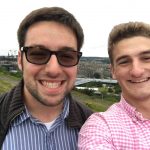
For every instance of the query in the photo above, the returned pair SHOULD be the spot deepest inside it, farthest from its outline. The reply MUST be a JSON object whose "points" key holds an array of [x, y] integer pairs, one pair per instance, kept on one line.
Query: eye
{"points": [[67, 55], [123, 62], [147, 58], [37, 51]]}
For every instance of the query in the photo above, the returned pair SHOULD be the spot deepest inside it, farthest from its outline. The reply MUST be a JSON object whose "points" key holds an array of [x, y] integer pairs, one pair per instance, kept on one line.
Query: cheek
{"points": [[72, 72], [121, 74], [30, 70]]}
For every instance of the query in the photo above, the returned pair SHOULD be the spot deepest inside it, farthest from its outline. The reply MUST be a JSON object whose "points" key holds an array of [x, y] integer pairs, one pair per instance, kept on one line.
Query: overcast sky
{"points": [[97, 17]]}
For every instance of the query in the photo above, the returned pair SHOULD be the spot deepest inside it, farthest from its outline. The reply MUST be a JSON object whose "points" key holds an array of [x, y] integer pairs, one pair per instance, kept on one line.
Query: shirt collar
{"points": [[26, 115], [65, 111], [21, 118], [131, 110]]}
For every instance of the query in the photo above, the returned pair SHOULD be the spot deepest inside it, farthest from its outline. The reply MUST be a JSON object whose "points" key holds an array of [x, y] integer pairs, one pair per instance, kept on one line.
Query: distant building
{"points": [[89, 67], [9, 63], [94, 67]]}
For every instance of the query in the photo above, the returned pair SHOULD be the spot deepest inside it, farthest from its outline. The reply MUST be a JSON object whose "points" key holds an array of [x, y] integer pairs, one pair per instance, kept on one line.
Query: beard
{"points": [[43, 100]]}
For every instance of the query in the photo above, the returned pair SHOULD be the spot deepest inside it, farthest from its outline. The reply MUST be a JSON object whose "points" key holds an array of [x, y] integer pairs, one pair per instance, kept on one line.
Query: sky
{"points": [[97, 18]]}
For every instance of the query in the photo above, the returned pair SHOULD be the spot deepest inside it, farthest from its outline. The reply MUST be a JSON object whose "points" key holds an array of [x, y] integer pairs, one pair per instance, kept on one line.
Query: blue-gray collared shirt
{"points": [[28, 133]]}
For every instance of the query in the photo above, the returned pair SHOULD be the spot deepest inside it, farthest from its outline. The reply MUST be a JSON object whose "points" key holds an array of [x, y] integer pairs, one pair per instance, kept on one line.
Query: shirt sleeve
{"points": [[95, 134]]}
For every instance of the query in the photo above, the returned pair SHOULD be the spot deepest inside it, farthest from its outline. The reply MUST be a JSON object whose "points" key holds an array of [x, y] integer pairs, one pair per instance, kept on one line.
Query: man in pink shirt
{"points": [[125, 125]]}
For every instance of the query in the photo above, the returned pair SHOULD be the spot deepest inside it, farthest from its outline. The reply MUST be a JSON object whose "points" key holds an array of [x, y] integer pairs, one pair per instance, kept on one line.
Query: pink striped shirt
{"points": [[121, 127]]}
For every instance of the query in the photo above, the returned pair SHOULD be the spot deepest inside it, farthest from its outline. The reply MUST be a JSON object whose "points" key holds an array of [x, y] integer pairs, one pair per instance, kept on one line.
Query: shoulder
{"points": [[99, 123], [113, 118], [11, 98], [4, 97], [114, 112]]}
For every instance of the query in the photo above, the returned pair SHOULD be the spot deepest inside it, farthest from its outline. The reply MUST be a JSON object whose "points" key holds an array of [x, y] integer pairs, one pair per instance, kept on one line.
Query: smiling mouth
{"points": [[139, 81], [51, 85]]}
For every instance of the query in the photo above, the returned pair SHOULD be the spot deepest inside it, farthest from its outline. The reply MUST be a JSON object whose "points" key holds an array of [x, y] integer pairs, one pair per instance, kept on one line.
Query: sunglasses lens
{"points": [[68, 58], [37, 55], [40, 56]]}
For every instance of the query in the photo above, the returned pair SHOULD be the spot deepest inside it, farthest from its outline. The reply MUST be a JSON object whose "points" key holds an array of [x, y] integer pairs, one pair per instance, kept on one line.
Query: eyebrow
{"points": [[60, 49], [145, 52], [67, 48], [126, 56]]}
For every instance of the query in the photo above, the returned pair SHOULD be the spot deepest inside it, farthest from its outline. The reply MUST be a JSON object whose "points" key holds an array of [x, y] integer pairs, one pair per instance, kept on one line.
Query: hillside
{"points": [[7, 81]]}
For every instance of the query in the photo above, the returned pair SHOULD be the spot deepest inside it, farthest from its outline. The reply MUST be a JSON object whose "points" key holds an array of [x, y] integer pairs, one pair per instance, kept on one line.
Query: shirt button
{"points": [[134, 119]]}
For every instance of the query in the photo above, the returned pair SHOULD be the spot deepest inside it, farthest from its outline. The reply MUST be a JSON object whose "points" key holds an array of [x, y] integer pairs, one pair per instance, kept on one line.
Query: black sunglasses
{"points": [[39, 55]]}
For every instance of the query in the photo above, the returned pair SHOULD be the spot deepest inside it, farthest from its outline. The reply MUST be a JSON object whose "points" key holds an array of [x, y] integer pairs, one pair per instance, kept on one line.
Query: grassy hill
{"points": [[8, 80], [96, 103]]}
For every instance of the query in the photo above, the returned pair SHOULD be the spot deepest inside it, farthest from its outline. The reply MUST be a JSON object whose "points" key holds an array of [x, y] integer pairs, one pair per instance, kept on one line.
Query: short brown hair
{"points": [[57, 14], [126, 30]]}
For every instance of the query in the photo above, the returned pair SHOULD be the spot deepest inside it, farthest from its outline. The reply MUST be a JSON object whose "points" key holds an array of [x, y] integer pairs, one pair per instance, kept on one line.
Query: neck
{"points": [[46, 114], [144, 108], [42, 112]]}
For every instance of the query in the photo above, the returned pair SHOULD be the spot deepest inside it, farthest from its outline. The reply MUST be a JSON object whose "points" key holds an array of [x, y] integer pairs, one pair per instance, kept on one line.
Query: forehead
{"points": [[131, 47], [50, 34]]}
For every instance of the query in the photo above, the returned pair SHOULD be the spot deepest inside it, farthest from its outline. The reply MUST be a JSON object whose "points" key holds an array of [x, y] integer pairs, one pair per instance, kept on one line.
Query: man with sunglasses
{"points": [[39, 113]]}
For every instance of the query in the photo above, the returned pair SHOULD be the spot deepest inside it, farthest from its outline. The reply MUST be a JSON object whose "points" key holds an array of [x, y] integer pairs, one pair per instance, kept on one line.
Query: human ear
{"points": [[112, 71], [19, 60]]}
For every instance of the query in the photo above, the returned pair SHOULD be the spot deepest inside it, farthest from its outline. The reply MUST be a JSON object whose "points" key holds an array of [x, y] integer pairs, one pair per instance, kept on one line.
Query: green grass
{"points": [[96, 103], [7, 81]]}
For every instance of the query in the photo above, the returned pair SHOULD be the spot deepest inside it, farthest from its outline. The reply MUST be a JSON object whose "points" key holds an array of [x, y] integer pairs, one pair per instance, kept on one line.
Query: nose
{"points": [[137, 69], [53, 67]]}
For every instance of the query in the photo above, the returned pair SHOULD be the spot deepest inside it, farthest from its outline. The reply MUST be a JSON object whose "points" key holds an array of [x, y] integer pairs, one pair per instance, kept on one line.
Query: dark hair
{"points": [[57, 14], [126, 30]]}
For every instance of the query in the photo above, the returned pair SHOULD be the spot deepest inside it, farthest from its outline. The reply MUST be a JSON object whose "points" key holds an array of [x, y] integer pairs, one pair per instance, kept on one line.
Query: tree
{"points": [[103, 90], [117, 89], [96, 75]]}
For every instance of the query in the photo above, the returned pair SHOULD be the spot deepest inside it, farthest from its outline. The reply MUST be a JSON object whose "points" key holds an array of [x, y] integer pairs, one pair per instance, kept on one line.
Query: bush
{"points": [[92, 84], [88, 92], [17, 74]]}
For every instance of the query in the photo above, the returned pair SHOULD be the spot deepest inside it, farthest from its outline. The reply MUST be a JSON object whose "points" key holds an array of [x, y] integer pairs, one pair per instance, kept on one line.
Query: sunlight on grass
{"points": [[94, 102]]}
